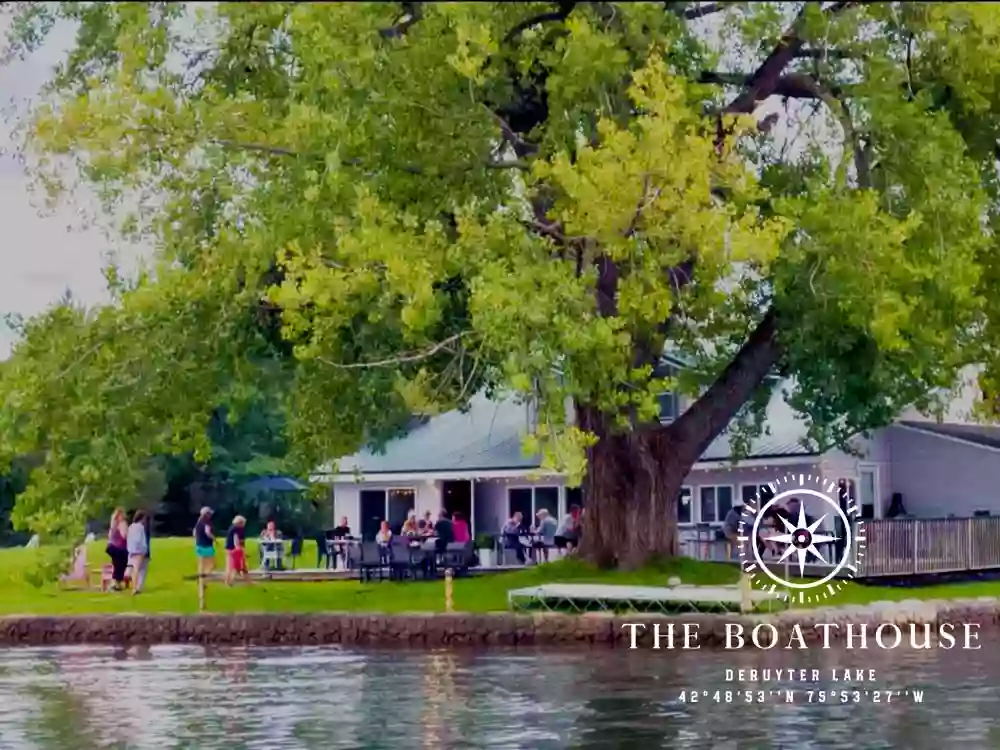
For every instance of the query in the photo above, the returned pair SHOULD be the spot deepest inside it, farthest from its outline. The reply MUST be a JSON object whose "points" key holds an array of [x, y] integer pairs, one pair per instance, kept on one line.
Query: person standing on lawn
{"points": [[117, 548], [204, 542], [138, 550], [236, 555]]}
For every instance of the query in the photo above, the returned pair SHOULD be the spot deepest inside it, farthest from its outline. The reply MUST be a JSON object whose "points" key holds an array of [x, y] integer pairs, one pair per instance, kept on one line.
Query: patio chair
{"points": [[401, 560], [272, 554], [458, 557], [353, 554], [107, 577], [513, 551], [323, 557], [346, 551], [296, 549], [78, 574], [369, 560]]}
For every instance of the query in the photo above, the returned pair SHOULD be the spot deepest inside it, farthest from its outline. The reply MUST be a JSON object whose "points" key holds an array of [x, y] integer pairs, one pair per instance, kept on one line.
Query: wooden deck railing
{"points": [[914, 546], [901, 546]]}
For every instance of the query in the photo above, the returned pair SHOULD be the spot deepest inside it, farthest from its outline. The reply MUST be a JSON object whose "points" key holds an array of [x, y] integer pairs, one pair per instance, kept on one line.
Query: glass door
{"points": [[868, 492]]}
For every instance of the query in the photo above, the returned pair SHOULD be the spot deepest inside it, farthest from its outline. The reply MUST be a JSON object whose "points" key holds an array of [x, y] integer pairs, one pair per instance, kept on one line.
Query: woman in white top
{"points": [[138, 546], [384, 535]]}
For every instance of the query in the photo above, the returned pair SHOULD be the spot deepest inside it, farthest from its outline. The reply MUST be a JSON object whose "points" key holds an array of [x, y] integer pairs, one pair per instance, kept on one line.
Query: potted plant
{"points": [[485, 546]]}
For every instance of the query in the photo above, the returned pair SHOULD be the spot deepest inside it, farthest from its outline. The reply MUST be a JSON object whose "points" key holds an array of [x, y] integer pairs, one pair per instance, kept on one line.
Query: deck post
{"points": [[916, 539], [449, 605], [746, 590]]}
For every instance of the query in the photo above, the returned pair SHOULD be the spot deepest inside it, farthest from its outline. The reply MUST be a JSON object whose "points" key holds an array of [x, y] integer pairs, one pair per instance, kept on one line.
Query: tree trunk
{"points": [[631, 496], [634, 478]]}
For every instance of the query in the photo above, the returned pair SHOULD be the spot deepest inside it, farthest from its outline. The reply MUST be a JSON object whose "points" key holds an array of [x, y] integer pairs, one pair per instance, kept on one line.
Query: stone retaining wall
{"points": [[435, 630]]}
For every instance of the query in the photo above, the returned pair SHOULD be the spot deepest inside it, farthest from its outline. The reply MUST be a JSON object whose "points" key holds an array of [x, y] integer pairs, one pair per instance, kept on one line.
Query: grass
{"points": [[170, 589]]}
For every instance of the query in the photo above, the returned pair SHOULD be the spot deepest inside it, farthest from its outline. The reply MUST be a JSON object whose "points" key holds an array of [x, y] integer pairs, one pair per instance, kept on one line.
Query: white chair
{"points": [[272, 553]]}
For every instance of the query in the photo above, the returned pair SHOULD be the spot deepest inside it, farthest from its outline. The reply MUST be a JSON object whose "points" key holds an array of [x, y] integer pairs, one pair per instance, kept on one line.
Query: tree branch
{"points": [[699, 10], [521, 147], [827, 54], [648, 198], [269, 150], [764, 80], [565, 8], [694, 430], [400, 359], [852, 143], [790, 85], [412, 12]]}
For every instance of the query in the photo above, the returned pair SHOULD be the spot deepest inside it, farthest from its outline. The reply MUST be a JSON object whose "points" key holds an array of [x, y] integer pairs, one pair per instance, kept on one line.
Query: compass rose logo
{"points": [[801, 528]]}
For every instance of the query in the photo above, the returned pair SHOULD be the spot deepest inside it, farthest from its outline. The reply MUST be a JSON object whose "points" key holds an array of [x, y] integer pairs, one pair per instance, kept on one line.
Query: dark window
{"points": [[519, 500], [574, 496], [707, 505], [401, 502], [750, 492], [715, 503], [372, 513], [548, 498], [668, 406], [684, 507], [724, 497], [668, 400]]}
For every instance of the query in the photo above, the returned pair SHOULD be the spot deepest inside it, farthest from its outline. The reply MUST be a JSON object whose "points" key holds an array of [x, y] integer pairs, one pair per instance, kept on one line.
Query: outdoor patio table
{"points": [[337, 550], [334, 549], [272, 551]]}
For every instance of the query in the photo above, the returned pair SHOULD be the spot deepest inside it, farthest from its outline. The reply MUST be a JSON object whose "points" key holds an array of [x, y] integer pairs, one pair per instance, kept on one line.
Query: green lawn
{"points": [[169, 590]]}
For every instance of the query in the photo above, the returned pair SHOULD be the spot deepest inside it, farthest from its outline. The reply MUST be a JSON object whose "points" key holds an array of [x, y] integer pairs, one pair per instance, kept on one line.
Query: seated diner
{"points": [[568, 533], [545, 531], [511, 533], [444, 531], [272, 547]]}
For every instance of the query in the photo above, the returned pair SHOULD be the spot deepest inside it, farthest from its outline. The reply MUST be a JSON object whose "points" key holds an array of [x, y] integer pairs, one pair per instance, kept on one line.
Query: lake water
{"points": [[190, 697]]}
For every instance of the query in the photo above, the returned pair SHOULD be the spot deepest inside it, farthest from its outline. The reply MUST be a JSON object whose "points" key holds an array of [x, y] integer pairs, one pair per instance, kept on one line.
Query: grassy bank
{"points": [[170, 590]]}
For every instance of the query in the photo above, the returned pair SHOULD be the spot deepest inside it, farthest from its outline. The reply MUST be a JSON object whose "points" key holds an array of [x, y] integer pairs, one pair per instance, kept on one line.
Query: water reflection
{"points": [[187, 697]]}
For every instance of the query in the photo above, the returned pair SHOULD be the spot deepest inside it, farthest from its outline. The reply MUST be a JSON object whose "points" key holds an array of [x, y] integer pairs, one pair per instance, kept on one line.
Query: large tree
{"points": [[380, 209]]}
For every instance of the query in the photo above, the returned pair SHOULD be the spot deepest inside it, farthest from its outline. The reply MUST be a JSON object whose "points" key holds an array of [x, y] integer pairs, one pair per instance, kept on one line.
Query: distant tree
{"points": [[380, 209], [12, 484]]}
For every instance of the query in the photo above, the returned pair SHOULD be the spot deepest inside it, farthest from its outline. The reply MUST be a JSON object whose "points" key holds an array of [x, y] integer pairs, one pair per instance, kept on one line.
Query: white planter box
{"points": [[485, 558]]}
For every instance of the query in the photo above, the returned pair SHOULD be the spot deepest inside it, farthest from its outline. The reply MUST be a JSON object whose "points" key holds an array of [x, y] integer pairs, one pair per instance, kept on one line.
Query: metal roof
{"points": [[979, 434], [489, 436], [274, 484]]}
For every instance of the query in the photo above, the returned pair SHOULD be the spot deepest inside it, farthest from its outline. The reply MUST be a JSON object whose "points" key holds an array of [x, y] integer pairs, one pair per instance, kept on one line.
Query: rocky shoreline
{"points": [[474, 630]]}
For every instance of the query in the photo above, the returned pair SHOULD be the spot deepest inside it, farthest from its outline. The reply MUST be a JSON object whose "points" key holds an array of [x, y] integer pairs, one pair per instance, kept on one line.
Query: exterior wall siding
{"points": [[736, 478], [872, 452], [490, 496], [939, 477], [921, 467]]}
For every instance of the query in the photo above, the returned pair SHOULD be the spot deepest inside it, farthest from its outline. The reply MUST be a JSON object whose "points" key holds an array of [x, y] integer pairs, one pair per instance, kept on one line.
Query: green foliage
{"points": [[361, 215], [50, 562], [12, 484]]}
